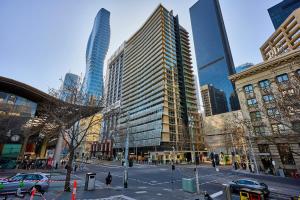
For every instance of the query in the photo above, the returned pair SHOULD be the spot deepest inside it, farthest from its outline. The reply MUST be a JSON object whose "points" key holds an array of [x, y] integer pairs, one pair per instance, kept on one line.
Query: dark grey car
{"points": [[24, 181], [239, 184]]}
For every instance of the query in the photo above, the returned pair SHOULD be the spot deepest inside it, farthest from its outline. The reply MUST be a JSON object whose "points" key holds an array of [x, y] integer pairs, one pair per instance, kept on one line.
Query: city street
{"points": [[155, 182]]}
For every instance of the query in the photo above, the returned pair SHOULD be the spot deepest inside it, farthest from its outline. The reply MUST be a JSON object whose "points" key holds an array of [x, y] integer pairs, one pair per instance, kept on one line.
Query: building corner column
{"points": [[58, 149]]}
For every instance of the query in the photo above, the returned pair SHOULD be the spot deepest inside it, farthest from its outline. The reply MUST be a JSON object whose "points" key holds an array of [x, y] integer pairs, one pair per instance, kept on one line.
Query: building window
{"points": [[263, 148], [259, 130], [248, 89], [255, 116], [285, 154], [268, 98], [282, 78], [252, 102], [279, 128], [296, 126], [273, 112], [264, 84]]}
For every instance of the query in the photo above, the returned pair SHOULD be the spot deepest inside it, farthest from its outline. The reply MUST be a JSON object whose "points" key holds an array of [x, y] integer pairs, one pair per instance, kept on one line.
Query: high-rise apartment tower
{"points": [[95, 54], [159, 108]]}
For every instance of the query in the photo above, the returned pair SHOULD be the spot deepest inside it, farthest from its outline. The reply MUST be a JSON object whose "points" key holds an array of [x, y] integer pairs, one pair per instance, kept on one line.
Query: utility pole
{"points": [[191, 124], [125, 181]]}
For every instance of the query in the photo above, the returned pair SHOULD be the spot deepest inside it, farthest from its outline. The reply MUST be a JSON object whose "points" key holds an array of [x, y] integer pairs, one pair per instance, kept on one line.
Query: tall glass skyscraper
{"points": [[281, 11], [95, 54], [213, 55]]}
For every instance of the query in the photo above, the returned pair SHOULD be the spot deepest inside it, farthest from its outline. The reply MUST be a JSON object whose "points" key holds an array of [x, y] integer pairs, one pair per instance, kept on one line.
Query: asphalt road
{"points": [[160, 182]]}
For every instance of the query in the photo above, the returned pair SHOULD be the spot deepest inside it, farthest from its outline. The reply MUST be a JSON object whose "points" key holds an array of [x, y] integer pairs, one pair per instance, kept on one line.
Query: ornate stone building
{"points": [[269, 97]]}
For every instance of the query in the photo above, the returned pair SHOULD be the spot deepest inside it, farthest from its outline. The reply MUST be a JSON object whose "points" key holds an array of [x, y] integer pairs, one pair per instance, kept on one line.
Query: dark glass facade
{"points": [[281, 11], [71, 82], [213, 55]]}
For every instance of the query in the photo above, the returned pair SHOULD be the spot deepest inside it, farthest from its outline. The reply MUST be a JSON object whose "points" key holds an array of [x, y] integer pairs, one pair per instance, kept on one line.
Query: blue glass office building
{"points": [[243, 67], [95, 54], [281, 11], [71, 82], [213, 55]]}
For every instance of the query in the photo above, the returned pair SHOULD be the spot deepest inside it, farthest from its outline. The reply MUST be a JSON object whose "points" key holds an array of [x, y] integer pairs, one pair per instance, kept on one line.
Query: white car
{"points": [[24, 181]]}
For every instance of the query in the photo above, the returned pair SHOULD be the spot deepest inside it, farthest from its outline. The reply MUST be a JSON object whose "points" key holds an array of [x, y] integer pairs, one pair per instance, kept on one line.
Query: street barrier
{"points": [[74, 190], [248, 194]]}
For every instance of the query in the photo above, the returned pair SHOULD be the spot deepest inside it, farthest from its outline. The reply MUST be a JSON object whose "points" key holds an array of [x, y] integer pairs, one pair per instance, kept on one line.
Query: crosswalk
{"points": [[117, 197]]}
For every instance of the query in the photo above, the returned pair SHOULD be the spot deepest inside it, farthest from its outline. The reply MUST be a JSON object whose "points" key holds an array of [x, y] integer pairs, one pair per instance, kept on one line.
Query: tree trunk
{"points": [[69, 170]]}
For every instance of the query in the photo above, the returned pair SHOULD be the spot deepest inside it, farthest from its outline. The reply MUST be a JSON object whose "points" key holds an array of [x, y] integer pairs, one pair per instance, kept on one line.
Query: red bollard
{"points": [[32, 193], [74, 190]]}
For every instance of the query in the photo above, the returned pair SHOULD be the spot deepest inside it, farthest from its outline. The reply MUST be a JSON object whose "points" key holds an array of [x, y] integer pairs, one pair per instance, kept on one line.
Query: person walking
{"points": [[108, 179]]}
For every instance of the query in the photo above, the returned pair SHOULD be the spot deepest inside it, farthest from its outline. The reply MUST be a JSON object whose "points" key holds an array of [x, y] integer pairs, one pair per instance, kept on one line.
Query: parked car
{"points": [[239, 184], [25, 181], [7, 164]]}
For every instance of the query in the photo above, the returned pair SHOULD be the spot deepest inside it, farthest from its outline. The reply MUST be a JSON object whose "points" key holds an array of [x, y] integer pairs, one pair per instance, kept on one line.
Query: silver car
{"points": [[24, 181]]}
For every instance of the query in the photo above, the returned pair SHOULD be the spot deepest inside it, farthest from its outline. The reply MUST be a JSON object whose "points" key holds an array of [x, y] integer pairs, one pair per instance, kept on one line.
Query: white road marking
{"points": [[141, 192], [142, 187], [167, 189], [159, 194], [214, 195], [208, 182], [118, 197], [163, 169]]}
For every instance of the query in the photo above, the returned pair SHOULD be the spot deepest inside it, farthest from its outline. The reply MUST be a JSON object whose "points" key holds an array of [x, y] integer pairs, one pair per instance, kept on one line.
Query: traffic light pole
{"points": [[191, 123], [125, 181]]}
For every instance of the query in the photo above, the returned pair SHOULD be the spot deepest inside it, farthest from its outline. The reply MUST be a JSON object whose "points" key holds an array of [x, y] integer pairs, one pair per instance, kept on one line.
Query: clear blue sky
{"points": [[41, 40]]}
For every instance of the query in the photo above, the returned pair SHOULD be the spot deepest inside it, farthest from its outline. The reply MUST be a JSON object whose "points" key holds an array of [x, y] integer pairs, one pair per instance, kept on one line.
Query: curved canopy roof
{"points": [[45, 121]]}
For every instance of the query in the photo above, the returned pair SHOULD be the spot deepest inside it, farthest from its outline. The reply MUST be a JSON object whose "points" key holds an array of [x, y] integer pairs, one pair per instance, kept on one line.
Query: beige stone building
{"points": [[92, 134], [284, 39], [265, 92], [225, 133]]}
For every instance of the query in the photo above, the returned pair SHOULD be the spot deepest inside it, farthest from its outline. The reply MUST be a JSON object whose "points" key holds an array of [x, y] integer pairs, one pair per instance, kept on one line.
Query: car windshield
{"points": [[33, 177], [246, 182], [16, 178]]}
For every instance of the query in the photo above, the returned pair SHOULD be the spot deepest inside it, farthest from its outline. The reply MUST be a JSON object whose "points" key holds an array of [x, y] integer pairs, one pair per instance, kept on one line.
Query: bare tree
{"points": [[284, 103], [234, 133], [77, 118], [281, 106]]}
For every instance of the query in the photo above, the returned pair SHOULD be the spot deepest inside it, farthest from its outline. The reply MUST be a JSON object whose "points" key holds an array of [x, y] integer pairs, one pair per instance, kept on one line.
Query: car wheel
{"points": [[267, 196]]}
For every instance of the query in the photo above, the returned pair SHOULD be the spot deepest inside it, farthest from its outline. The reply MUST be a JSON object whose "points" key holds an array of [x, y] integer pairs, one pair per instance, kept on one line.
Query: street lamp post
{"points": [[191, 124]]}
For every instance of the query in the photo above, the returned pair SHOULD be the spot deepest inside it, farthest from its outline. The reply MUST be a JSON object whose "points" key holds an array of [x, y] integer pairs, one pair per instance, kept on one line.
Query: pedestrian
{"points": [[75, 168], [67, 167], [108, 179]]}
